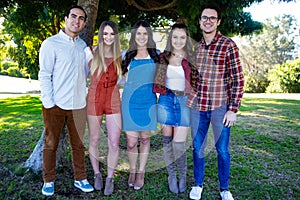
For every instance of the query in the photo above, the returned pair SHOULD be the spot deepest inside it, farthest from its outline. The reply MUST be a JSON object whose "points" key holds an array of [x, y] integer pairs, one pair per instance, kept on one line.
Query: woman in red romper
{"points": [[104, 99]]}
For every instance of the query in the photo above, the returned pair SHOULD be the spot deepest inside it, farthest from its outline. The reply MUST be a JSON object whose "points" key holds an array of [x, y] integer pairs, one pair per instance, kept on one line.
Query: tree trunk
{"points": [[91, 8], [35, 160]]}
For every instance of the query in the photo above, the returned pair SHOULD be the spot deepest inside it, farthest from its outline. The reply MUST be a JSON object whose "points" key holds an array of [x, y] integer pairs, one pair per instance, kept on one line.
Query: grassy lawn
{"points": [[265, 152]]}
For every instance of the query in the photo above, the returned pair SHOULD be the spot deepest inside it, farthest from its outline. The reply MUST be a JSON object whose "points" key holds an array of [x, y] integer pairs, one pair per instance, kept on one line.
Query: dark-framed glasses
{"points": [[205, 18]]}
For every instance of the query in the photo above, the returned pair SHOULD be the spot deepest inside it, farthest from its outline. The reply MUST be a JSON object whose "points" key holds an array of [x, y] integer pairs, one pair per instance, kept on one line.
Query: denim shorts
{"points": [[172, 110]]}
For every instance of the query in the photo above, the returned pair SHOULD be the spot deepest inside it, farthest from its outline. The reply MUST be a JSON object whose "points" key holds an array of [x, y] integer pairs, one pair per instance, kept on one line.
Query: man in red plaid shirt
{"points": [[218, 89]]}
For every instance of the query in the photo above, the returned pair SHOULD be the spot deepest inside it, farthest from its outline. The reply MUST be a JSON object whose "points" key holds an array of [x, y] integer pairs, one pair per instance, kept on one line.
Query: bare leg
{"points": [[180, 133], [144, 150], [167, 130], [113, 124], [94, 126], [132, 151], [144, 153]]}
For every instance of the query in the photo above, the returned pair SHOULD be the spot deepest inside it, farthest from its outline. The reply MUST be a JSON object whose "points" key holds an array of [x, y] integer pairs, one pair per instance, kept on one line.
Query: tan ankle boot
{"points": [[131, 178], [109, 186], [139, 180], [98, 181]]}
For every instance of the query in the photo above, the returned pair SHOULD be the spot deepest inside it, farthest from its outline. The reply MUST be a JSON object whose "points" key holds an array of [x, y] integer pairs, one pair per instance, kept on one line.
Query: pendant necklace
{"points": [[177, 55]]}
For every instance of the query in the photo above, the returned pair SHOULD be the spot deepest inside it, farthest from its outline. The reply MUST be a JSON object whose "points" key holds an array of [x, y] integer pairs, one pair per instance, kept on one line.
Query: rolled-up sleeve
{"points": [[88, 59]]}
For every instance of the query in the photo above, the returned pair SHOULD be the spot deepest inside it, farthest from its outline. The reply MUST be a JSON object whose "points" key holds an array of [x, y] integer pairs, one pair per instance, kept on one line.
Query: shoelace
{"points": [[226, 194], [196, 190], [47, 185], [85, 182]]}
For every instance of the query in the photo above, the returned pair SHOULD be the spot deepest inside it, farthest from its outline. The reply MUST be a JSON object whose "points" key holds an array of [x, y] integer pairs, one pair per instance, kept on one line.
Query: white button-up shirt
{"points": [[62, 72]]}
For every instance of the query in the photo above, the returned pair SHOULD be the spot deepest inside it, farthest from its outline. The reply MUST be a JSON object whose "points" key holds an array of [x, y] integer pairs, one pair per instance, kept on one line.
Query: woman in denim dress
{"points": [[138, 99]]}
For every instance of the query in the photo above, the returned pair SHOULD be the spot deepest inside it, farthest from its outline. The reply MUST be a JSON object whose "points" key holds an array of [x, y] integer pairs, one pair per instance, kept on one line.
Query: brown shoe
{"points": [[139, 181], [98, 181], [131, 179], [109, 186]]}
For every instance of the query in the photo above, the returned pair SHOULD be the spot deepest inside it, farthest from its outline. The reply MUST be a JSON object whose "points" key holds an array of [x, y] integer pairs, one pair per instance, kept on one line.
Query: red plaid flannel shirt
{"points": [[220, 80]]}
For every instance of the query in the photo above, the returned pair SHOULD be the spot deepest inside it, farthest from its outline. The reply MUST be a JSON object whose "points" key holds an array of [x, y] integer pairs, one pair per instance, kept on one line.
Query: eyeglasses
{"points": [[211, 19]]}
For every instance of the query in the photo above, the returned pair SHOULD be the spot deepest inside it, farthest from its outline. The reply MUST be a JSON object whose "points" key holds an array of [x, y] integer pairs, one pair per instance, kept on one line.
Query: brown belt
{"points": [[109, 84], [176, 92]]}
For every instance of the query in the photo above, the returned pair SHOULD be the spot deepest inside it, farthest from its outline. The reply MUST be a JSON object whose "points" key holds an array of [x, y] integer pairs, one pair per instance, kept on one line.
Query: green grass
{"points": [[265, 152], [20, 125]]}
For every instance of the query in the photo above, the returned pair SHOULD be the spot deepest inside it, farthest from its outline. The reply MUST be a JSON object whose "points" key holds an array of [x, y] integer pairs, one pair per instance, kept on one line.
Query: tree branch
{"points": [[150, 7]]}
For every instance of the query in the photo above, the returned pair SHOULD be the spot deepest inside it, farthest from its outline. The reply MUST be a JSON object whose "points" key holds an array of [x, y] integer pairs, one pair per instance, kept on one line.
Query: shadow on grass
{"points": [[264, 152]]}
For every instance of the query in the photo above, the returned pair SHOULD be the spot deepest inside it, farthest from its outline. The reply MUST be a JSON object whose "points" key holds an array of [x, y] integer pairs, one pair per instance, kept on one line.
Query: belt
{"points": [[176, 92], [109, 84]]}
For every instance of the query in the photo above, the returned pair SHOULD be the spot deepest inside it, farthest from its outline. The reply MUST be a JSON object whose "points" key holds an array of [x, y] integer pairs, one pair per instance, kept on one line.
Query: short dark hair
{"points": [[212, 6], [75, 6]]}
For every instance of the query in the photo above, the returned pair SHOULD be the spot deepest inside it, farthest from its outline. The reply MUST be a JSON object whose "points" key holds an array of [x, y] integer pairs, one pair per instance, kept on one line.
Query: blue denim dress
{"points": [[138, 101]]}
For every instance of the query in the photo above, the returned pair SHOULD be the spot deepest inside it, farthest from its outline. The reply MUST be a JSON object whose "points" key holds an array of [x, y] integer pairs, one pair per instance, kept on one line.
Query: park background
{"points": [[265, 141]]}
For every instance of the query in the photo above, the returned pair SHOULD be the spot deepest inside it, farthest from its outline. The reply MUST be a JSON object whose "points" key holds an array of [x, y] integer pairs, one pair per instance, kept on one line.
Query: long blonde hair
{"points": [[98, 61]]}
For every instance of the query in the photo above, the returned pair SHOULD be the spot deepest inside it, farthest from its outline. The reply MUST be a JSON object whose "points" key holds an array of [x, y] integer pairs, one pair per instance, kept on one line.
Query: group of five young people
{"points": [[180, 77]]}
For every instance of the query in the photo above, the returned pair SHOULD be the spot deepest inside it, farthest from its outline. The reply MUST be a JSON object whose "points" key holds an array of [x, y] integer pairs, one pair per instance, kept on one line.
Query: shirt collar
{"points": [[215, 39], [67, 37]]}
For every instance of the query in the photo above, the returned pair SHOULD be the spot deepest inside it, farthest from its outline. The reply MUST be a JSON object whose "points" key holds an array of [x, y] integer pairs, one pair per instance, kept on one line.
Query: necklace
{"points": [[177, 55]]}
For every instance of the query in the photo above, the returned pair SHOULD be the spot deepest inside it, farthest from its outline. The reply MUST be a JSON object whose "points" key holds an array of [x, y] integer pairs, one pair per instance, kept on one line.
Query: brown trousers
{"points": [[54, 120]]}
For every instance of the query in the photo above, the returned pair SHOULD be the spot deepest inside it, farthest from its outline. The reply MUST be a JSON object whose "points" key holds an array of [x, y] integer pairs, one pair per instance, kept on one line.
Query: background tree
{"points": [[285, 78], [30, 22], [263, 50], [91, 8], [4, 39]]}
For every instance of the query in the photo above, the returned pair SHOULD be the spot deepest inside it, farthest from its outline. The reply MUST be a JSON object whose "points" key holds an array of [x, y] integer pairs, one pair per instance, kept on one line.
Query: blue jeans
{"points": [[200, 122]]}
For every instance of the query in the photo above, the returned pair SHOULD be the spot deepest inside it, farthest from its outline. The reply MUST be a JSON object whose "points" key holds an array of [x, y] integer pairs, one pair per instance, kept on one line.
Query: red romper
{"points": [[103, 94]]}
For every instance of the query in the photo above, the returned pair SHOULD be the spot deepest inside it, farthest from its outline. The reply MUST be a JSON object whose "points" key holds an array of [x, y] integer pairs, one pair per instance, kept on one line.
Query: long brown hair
{"points": [[180, 24], [132, 51]]}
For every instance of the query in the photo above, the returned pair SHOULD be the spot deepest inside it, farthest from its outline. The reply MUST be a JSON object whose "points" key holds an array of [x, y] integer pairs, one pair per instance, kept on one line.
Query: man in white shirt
{"points": [[62, 79]]}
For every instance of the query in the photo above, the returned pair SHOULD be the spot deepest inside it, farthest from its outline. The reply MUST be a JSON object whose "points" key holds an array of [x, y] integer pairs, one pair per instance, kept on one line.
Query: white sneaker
{"points": [[195, 193], [226, 195]]}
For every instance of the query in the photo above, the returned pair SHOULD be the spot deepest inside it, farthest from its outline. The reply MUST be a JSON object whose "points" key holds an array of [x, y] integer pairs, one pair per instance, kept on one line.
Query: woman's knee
{"points": [[131, 144], [113, 145], [145, 140], [94, 141]]}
